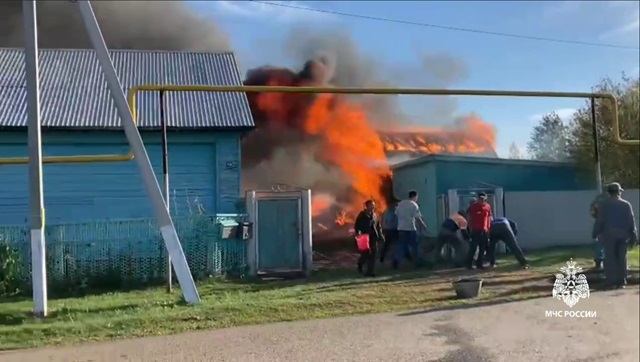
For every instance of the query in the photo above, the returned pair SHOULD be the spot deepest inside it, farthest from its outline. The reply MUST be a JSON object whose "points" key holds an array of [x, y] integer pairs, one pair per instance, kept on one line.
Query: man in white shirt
{"points": [[408, 212]]}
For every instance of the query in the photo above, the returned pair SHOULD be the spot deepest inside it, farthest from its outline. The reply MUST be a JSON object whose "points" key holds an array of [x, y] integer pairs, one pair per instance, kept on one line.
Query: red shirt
{"points": [[479, 217]]}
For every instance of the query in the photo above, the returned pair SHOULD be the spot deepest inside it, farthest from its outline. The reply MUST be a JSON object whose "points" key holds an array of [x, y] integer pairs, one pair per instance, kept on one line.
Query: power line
{"points": [[446, 27]]}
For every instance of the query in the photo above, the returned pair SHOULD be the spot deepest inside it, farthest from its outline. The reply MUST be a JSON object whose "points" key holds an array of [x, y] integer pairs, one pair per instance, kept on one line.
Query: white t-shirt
{"points": [[407, 211]]}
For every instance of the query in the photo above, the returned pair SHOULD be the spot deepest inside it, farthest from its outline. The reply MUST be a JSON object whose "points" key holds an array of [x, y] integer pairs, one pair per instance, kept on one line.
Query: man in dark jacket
{"points": [[616, 229], [505, 230], [390, 230], [368, 223], [598, 247]]}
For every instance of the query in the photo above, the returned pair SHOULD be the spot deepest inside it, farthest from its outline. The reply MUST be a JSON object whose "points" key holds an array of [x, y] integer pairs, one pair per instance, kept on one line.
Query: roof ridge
{"points": [[74, 94], [127, 50]]}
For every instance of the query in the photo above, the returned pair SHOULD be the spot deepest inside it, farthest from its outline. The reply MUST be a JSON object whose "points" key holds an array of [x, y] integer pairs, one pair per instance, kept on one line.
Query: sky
{"points": [[490, 62]]}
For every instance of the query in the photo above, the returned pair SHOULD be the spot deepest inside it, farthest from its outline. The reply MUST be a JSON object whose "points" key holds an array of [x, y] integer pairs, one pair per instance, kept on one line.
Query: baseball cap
{"points": [[482, 195], [614, 187]]}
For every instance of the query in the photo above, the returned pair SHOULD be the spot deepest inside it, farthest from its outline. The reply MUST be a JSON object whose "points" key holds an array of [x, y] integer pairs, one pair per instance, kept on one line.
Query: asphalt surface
{"points": [[507, 332]]}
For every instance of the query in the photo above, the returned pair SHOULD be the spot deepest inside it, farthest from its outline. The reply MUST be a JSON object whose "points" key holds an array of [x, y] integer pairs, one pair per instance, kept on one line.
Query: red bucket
{"points": [[363, 242]]}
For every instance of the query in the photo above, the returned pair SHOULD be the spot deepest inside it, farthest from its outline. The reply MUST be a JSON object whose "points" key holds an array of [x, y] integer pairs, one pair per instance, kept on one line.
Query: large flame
{"points": [[350, 143], [471, 136], [335, 132]]}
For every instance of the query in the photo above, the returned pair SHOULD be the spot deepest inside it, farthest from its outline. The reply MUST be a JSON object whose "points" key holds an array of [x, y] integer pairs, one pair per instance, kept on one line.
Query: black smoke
{"points": [[141, 25]]}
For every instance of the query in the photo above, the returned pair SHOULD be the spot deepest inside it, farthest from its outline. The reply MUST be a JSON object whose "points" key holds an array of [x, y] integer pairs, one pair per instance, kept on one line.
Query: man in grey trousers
{"points": [[615, 227]]}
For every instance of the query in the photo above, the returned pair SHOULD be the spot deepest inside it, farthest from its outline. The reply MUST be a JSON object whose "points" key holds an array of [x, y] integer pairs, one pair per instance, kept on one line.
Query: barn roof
{"points": [[74, 94]]}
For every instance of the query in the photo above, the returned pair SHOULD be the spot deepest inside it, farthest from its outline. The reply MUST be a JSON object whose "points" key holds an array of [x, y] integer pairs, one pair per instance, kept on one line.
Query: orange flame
{"points": [[351, 144], [472, 136], [320, 204], [346, 139]]}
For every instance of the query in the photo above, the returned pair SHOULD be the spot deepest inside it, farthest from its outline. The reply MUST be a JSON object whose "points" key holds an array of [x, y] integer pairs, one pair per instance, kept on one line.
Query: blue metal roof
{"points": [[74, 93], [475, 159]]}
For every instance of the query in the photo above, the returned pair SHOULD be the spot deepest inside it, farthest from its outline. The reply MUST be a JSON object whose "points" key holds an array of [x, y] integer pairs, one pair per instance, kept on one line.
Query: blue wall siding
{"points": [[421, 178], [204, 173], [511, 177], [228, 170]]}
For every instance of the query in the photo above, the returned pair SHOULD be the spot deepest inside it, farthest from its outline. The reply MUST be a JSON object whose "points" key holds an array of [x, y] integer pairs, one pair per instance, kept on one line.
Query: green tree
{"points": [[618, 163], [549, 139]]}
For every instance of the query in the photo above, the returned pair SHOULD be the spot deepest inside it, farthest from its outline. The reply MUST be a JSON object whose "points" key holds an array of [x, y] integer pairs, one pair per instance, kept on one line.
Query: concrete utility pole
{"points": [[36, 202], [149, 179]]}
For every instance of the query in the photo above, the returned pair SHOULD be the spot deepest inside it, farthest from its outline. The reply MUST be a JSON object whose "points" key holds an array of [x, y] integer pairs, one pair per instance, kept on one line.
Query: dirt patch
{"points": [[335, 260]]}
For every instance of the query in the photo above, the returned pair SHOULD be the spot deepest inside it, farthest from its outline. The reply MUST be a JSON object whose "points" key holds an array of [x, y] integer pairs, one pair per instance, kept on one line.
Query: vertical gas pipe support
{"points": [[149, 179], [596, 145], [36, 202], [165, 174]]}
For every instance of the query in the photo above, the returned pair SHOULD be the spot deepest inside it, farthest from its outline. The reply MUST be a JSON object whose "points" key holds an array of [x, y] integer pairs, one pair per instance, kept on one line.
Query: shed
{"points": [[432, 176], [79, 118]]}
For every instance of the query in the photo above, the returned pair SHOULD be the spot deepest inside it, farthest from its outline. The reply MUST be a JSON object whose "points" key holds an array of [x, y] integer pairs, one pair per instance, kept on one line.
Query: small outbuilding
{"points": [[447, 183]]}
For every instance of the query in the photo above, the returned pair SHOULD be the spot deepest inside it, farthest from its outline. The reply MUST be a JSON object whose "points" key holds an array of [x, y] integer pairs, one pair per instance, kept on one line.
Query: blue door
{"points": [[279, 241]]}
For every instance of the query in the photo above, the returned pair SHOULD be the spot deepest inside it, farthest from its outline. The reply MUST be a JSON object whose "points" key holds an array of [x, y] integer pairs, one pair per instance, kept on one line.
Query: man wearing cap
{"points": [[615, 227], [479, 216]]}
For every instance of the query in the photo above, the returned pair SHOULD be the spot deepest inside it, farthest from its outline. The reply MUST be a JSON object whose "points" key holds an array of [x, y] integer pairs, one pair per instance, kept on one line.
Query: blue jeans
{"points": [[407, 242], [598, 250]]}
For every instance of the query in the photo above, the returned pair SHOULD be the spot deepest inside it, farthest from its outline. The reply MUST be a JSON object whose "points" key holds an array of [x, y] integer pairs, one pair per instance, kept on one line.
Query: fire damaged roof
{"points": [[74, 93], [436, 142]]}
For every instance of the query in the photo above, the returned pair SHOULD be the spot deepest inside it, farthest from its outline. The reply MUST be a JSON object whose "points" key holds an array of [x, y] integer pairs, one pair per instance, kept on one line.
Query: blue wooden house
{"points": [[79, 118]]}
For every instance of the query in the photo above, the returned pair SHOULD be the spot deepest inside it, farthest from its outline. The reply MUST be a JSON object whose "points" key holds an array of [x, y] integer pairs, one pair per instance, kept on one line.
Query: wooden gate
{"points": [[281, 238]]}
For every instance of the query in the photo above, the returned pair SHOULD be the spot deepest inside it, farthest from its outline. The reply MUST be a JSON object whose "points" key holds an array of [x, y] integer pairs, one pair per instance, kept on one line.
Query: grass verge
{"points": [[329, 293]]}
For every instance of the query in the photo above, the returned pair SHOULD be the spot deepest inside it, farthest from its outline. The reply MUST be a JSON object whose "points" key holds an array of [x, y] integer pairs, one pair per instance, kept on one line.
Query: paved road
{"points": [[508, 332]]}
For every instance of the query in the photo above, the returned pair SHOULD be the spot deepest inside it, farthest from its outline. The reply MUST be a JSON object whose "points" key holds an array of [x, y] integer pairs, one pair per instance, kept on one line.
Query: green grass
{"points": [[227, 303]]}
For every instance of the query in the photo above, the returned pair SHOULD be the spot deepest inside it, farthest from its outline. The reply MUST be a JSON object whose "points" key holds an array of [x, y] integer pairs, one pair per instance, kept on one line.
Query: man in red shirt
{"points": [[479, 216]]}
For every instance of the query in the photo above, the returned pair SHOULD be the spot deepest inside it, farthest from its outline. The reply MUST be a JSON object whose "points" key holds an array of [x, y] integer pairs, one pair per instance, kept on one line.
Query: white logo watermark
{"points": [[570, 287]]}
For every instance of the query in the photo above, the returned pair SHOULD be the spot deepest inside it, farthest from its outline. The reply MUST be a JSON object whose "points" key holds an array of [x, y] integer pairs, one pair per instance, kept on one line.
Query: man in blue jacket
{"points": [[505, 230]]}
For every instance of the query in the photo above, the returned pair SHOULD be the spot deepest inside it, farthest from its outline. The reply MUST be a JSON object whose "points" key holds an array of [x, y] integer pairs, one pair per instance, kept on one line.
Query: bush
{"points": [[9, 270]]}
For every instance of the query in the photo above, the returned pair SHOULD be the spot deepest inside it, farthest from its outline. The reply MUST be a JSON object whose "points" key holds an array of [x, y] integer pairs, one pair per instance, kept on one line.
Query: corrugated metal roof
{"points": [[74, 93], [475, 159]]}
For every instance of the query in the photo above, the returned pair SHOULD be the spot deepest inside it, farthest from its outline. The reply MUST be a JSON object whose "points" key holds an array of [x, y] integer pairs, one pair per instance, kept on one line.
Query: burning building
{"points": [[338, 146], [328, 143], [410, 144]]}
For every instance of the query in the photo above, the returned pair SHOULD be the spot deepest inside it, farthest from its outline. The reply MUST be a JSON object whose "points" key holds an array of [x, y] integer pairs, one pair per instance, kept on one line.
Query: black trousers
{"points": [[503, 232], [390, 239], [457, 243], [368, 258], [480, 242]]}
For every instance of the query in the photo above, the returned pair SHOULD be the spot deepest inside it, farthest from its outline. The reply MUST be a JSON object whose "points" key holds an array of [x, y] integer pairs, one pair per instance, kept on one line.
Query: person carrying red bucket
{"points": [[368, 234]]}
